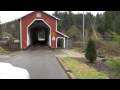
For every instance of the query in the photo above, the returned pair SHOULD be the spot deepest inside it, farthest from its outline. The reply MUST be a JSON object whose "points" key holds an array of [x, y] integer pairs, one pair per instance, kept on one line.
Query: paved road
{"points": [[40, 63]]}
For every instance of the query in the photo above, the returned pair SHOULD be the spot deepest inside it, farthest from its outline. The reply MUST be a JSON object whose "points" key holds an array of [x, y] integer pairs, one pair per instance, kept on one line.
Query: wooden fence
{"points": [[10, 45]]}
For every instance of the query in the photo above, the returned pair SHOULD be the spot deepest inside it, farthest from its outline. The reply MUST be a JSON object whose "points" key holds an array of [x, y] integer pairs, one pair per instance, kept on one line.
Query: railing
{"points": [[10, 45]]}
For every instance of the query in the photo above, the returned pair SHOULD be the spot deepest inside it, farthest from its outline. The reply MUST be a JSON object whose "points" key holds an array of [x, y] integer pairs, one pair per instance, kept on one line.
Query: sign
{"points": [[53, 38], [38, 15], [16, 41], [53, 34]]}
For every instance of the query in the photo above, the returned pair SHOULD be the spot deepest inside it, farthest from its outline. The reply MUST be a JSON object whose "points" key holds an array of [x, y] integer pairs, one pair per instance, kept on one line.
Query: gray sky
{"points": [[6, 16]]}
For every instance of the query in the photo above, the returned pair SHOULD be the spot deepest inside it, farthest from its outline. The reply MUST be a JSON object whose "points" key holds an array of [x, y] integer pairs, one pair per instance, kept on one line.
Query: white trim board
{"points": [[42, 12], [58, 31], [28, 38], [21, 34], [63, 34]]}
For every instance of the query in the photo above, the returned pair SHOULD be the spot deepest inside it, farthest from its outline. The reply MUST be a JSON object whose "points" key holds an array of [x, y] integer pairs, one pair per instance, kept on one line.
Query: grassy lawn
{"points": [[81, 70], [77, 49], [3, 51], [114, 64]]}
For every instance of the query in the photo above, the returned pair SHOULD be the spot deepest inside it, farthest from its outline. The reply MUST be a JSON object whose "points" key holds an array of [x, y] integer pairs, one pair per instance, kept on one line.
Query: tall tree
{"points": [[56, 13], [104, 23], [108, 20], [100, 24]]}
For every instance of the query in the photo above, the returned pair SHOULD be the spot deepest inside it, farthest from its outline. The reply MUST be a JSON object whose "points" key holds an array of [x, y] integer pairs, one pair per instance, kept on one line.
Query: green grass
{"points": [[114, 64], [81, 70], [77, 49], [3, 51]]}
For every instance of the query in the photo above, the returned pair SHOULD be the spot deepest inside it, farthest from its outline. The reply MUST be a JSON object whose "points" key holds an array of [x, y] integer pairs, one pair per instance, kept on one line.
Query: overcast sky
{"points": [[6, 16]]}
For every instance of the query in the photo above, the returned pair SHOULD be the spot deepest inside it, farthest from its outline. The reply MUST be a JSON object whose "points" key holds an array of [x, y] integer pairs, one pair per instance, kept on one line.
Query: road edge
{"points": [[67, 71]]}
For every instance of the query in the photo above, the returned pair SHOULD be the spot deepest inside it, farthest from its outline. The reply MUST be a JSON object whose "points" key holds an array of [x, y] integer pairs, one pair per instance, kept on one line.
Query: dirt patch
{"points": [[99, 66]]}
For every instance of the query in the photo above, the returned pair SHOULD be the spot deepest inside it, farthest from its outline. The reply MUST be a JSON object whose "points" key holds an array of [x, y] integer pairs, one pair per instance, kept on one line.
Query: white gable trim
{"points": [[58, 31], [21, 34], [43, 12], [63, 34], [52, 15], [28, 38]]}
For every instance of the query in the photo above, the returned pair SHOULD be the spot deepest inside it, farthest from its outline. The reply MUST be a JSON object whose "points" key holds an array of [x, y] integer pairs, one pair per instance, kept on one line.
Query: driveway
{"points": [[40, 63], [70, 53]]}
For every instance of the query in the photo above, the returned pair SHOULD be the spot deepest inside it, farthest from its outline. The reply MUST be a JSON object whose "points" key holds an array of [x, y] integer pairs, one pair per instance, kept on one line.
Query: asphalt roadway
{"points": [[40, 63]]}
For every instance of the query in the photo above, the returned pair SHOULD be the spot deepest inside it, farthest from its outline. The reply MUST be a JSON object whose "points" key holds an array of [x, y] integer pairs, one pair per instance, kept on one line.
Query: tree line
{"points": [[103, 24], [72, 24]]}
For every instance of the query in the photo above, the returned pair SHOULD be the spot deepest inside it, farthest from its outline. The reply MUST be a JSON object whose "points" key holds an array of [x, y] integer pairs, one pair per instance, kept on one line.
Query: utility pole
{"points": [[83, 29]]}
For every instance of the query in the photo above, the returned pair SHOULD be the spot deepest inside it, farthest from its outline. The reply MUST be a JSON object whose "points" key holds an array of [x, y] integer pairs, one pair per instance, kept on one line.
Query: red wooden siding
{"points": [[26, 20]]}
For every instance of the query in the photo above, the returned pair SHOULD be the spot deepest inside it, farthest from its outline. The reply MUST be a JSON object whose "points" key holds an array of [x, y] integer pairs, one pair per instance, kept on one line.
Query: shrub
{"points": [[107, 48], [74, 33], [2, 50], [91, 53]]}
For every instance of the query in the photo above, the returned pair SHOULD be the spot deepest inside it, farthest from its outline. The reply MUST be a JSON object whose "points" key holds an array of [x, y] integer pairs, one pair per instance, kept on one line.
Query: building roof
{"points": [[42, 12], [30, 13], [63, 34]]}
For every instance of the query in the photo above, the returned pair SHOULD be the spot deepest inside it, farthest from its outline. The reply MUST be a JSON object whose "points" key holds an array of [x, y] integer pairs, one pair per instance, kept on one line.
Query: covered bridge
{"points": [[39, 28]]}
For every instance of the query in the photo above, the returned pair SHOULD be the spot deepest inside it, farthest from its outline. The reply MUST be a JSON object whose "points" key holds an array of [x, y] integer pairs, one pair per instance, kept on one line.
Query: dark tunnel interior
{"points": [[39, 34]]}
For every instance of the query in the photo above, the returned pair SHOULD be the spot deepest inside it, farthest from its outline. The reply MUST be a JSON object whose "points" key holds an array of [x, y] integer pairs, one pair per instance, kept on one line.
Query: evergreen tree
{"points": [[100, 24], [104, 23], [56, 13], [91, 53]]}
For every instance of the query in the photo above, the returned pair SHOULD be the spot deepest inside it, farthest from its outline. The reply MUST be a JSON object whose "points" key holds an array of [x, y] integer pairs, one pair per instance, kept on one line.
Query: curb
{"points": [[67, 71]]}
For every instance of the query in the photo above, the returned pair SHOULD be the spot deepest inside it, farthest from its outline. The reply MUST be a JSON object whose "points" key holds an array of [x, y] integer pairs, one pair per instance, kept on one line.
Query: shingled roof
{"points": [[44, 13]]}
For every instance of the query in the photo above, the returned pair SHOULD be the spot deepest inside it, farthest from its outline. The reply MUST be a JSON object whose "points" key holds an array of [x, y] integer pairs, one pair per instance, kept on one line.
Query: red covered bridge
{"points": [[39, 27]]}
